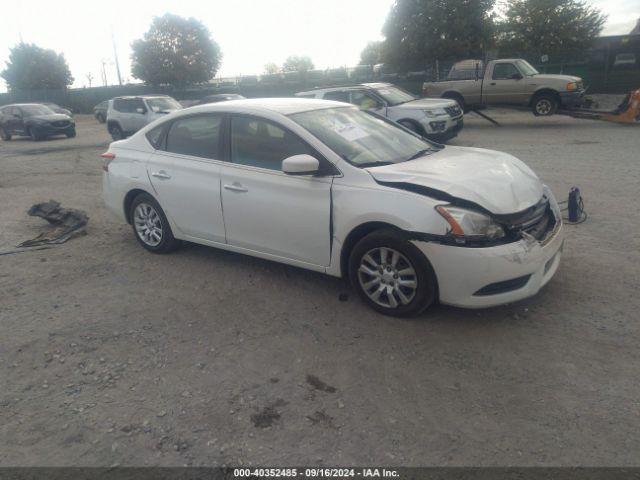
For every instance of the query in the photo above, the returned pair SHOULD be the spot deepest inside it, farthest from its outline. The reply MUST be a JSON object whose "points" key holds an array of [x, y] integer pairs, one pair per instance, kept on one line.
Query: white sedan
{"points": [[324, 186]]}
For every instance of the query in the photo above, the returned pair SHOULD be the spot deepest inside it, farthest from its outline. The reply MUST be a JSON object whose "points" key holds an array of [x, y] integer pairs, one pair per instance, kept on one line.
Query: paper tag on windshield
{"points": [[349, 131]]}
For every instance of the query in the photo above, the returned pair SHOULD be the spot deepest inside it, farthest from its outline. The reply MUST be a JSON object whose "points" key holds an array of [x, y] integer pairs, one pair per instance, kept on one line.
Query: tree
{"points": [[271, 68], [371, 54], [297, 64], [34, 68], [549, 26], [420, 31], [175, 51]]}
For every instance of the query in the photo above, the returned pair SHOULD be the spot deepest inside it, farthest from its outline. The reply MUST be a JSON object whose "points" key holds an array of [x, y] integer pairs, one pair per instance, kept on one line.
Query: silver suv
{"points": [[436, 119], [127, 115]]}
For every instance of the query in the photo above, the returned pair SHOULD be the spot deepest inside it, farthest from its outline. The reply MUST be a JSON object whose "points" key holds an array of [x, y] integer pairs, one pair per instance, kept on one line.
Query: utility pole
{"points": [[89, 78], [104, 72], [115, 57]]}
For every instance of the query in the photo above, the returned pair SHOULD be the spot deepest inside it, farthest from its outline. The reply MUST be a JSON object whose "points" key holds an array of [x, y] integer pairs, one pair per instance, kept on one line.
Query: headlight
{"points": [[571, 86], [467, 224], [434, 112]]}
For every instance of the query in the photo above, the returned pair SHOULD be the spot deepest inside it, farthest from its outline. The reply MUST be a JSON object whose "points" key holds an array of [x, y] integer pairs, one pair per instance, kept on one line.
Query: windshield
{"points": [[526, 68], [163, 104], [394, 95], [31, 110], [362, 139]]}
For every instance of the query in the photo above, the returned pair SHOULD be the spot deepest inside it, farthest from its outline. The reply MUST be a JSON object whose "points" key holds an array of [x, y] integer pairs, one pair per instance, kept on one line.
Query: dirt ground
{"points": [[110, 355]]}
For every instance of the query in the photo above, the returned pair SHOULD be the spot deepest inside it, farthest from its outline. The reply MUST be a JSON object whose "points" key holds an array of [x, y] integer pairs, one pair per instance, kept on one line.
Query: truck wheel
{"points": [[456, 98], [101, 118], [544, 105], [116, 132]]}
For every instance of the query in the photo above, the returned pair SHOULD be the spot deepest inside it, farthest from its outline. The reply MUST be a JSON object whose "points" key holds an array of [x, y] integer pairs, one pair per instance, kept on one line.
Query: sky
{"points": [[250, 33]]}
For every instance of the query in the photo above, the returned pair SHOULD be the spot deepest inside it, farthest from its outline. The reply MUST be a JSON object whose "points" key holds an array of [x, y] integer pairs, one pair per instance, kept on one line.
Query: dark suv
{"points": [[34, 120]]}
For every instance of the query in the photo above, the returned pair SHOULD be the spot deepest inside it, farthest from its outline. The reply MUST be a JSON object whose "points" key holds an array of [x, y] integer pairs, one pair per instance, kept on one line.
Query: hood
{"points": [[427, 103], [52, 117], [552, 77], [496, 181]]}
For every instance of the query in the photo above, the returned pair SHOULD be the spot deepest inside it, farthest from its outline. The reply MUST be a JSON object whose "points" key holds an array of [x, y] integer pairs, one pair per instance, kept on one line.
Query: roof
{"points": [[347, 86], [284, 106], [127, 97]]}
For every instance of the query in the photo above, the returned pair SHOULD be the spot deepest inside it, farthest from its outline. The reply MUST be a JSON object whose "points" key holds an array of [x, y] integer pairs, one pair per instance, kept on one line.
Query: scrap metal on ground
{"points": [[66, 223]]}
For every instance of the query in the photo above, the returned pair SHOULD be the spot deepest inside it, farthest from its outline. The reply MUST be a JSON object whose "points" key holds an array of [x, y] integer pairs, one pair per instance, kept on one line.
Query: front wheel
{"points": [[70, 134], [544, 105], [150, 225], [415, 128], [392, 275], [4, 135]]}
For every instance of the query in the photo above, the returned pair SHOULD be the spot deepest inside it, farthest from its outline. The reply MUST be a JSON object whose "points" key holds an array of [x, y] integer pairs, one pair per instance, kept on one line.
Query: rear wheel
{"points": [[4, 135], [150, 225], [101, 118], [392, 275], [544, 105], [33, 133], [116, 132], [71, 133]]}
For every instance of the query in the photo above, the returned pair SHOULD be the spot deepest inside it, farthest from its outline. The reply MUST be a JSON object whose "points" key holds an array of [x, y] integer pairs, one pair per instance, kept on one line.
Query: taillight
{"points": [[108, 157]]}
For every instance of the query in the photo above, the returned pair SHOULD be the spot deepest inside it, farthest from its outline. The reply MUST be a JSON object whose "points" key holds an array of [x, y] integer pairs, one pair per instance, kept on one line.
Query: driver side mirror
{"points": [[141, 110], [516, 76], [300, 165]]}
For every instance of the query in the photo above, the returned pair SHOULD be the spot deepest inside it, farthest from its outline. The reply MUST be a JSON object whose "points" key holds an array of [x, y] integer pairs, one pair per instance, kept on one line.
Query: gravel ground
{"points": [[112, 355]]}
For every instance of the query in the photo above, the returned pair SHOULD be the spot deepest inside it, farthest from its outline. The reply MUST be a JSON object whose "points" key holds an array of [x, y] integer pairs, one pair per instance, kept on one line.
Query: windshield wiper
{"points": [[373, 164], [421, 153]]}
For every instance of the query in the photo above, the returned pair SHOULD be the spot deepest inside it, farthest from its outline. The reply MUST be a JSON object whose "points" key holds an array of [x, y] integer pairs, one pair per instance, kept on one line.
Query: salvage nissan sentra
{"points": [[324, 186]]}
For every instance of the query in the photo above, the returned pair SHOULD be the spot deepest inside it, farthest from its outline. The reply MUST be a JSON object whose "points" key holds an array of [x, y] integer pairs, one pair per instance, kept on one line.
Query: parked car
{"points": [[507, 82], [58, 109], [100, 111], [438, 120], [219, 97], [34, 120], [326, 186], [127, 115]]}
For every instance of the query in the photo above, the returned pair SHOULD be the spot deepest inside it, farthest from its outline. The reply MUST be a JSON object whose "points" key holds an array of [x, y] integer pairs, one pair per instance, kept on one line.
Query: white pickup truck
{"points": [[507, 82]]}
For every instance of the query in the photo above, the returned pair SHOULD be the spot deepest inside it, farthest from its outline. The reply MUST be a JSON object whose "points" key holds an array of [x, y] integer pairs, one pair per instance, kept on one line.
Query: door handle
{"points": [[161, 175], [493, 83], [236, 187]]}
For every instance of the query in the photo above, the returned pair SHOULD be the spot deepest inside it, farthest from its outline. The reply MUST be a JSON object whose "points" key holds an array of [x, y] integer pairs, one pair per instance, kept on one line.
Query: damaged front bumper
{"points": [[490, 276]]}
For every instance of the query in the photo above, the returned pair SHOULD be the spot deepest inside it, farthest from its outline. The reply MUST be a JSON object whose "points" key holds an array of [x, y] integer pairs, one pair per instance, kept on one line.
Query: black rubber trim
{"points": [[503, 287]]}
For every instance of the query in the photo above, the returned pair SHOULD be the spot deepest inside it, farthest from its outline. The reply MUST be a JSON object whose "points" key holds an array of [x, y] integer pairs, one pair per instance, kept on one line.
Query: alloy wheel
{"points": [[387, 277], [148, 224], [543, 107]]}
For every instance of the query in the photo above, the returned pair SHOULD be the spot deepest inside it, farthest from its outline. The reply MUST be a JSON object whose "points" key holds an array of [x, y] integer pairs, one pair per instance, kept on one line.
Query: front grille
{"points": [[536, 222], [453, 111], [60, 123]]}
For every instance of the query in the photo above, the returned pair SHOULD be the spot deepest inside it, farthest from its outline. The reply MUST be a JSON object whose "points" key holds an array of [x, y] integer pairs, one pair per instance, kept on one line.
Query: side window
{"points": [[337, 96], [119, 105], [307, 95], [262, 144], [196, 136], [363, 100], [155, 136], [504, 71]]}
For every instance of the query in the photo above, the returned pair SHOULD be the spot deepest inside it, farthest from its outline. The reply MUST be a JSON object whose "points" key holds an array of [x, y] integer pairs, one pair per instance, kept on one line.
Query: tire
{"points": [[116, 132], [413, 127], [71, 133], [33, 133], [459, 100], [4, 135], [101, 118], [544, 105], [150, 225], [407, 278]]}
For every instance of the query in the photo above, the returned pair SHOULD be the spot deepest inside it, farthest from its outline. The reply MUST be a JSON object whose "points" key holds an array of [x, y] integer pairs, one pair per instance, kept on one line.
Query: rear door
{"points": [[15, 120], [266, 210], [504, 86], [185, 173]]}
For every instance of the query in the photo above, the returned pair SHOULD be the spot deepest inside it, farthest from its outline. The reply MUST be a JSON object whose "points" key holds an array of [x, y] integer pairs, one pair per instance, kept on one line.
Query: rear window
{"points": [[155, 136], [197, 136]]}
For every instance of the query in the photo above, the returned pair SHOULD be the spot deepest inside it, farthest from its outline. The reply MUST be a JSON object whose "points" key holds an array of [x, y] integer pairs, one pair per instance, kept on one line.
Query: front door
{"points": [[185, 173], [266, 210], [506, 86]]}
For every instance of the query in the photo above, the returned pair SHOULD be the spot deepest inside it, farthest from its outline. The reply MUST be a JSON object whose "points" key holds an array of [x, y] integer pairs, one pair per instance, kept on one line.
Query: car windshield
{"points": [[361, 138], [163, 104], [526, 68], [394, 95], [32, 110]]}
